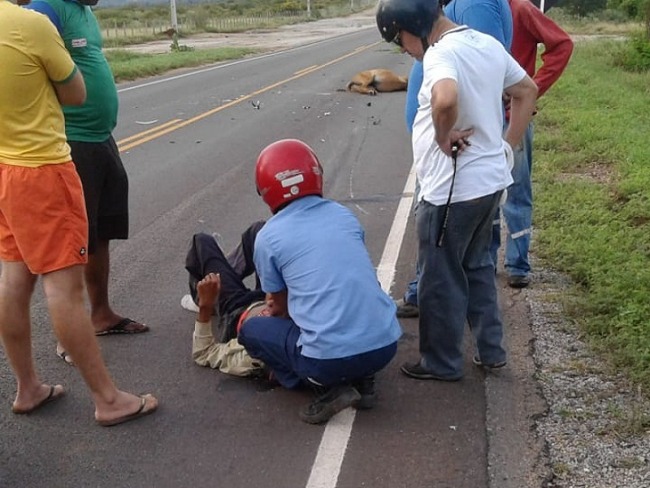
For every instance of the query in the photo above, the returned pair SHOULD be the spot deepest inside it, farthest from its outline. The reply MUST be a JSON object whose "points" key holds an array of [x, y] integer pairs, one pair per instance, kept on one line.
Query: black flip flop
{"points": [[122, 327]]}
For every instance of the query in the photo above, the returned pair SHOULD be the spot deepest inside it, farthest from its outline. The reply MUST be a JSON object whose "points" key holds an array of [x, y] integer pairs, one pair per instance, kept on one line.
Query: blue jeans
{"points": [[411, 294], [274, 341], [457, 284], [517, 211]]}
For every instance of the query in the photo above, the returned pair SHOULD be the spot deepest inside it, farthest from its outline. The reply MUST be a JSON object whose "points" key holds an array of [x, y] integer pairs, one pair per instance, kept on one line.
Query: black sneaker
{"points": [[366, 388], [406, 310], [415, 370], [329, 404], [518, 281], [499, 364]]}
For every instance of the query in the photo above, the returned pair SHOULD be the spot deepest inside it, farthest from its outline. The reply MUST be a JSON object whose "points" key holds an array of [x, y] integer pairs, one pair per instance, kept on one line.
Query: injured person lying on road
{"points": [[216, 283]]}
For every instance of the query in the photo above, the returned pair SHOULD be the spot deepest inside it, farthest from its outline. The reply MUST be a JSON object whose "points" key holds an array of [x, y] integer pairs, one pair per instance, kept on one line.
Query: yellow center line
{"points": [[305, 69], [149, 131], [154, 133]]}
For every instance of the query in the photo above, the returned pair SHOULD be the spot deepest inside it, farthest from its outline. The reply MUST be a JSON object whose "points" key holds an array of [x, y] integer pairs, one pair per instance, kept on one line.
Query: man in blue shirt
{"points": [[332, 326]]}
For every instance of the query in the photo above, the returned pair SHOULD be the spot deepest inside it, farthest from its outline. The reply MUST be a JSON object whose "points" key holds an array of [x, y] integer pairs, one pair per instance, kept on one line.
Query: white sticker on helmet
{"points": [[293, 180]]}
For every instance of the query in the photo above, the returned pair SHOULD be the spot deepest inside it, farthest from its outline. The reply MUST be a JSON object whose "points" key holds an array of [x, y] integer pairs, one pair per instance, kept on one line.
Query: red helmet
{"points": [[286, 170]]}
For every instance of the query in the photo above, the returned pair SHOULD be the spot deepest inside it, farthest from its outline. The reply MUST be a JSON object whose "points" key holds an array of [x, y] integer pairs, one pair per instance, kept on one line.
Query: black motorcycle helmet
{"points": [[416, 17]]}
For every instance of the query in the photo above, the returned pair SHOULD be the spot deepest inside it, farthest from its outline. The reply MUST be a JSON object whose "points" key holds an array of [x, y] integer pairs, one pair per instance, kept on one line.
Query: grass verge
{"points": [[127, 65], [592, 204]]}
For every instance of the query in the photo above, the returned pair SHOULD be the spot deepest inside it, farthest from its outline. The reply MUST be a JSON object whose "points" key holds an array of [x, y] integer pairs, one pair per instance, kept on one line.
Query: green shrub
{"points": [[636, 56], [633, 8], [290, 6], [583, 7]]}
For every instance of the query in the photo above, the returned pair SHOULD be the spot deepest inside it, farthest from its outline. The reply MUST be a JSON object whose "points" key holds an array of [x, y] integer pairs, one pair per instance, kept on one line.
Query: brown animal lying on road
{"points": [[376, 80]]}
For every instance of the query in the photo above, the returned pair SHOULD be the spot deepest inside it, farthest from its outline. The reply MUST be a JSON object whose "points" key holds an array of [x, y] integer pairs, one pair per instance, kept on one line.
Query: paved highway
{"points": [[189, 141]]}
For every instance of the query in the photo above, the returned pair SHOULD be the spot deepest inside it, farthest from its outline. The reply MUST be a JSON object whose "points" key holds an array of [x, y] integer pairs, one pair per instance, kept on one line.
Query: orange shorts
{"points": [[42, 217]]}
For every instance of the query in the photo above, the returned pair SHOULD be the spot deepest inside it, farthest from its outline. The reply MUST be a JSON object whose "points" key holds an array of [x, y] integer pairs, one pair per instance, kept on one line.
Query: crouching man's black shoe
{"points": [[366, 388], [329, 404]]}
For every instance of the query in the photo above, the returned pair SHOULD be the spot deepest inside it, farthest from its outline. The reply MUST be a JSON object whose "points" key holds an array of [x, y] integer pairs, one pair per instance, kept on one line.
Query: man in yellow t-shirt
{"points": [[43, 225]]}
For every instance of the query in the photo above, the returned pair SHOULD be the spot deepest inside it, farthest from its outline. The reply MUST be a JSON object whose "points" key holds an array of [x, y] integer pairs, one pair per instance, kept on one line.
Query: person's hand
{"points": [[207, 291], [458, 137], [510, 155], [506, 101], [276, 303]]}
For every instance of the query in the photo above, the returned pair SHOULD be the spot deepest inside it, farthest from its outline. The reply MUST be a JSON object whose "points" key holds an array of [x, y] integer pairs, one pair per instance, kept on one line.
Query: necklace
{"points": [[452, 31]]}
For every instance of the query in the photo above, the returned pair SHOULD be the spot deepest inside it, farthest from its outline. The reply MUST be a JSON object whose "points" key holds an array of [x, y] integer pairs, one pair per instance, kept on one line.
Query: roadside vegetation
{"points": [[592, 199], [592, 179], [591, 175], [129, 65]]}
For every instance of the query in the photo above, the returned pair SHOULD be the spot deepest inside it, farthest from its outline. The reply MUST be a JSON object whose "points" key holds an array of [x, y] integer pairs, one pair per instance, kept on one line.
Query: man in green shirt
{"points": [[95, 154]]}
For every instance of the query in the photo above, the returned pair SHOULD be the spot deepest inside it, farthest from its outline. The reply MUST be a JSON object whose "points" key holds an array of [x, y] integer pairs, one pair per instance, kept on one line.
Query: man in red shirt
{"points": [[530, 28]]}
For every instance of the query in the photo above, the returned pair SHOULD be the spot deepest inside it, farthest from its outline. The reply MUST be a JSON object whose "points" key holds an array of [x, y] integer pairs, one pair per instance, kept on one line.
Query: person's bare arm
{"points": [[71, 92], [277, 304], [229, 357], [207, 291], [444, 109], [522, 107]]}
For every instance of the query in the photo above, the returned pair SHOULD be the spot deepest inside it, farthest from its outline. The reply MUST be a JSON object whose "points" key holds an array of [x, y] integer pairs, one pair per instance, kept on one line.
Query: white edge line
{"points": [[331, 451], [388, 262], [327, 465]]}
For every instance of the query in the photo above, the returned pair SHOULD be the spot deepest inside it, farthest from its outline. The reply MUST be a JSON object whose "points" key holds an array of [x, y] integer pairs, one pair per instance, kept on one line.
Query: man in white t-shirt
{"points": [[461, 164]]}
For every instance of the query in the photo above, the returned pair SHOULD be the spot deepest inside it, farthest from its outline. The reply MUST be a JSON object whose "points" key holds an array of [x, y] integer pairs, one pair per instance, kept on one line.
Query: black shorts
{"points": [[106, 190]]}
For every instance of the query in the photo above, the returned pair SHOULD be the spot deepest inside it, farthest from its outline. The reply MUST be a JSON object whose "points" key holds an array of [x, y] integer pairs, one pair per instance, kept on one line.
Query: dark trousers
{"points": [[274, 341], [457, 285], [205, 256]]}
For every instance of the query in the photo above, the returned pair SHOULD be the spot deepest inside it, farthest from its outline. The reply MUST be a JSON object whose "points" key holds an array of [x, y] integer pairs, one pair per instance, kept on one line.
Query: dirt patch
{"points": [[595, 173], [284, 37]]}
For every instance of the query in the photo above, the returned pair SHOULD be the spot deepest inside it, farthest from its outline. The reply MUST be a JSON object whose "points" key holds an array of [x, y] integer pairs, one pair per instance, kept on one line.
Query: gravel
{"points": [[597, 428]]}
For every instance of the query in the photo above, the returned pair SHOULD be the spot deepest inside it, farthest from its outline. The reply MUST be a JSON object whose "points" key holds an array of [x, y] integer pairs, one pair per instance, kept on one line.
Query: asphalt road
{"points": [[189, 142]]}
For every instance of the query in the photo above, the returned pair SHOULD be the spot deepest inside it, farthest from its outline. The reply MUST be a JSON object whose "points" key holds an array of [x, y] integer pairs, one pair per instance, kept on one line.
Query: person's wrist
{"points": [[205, 313]]}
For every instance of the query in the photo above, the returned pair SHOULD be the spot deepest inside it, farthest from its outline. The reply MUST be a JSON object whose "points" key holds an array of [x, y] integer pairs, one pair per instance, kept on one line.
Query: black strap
{"points": [[445, 218]]}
